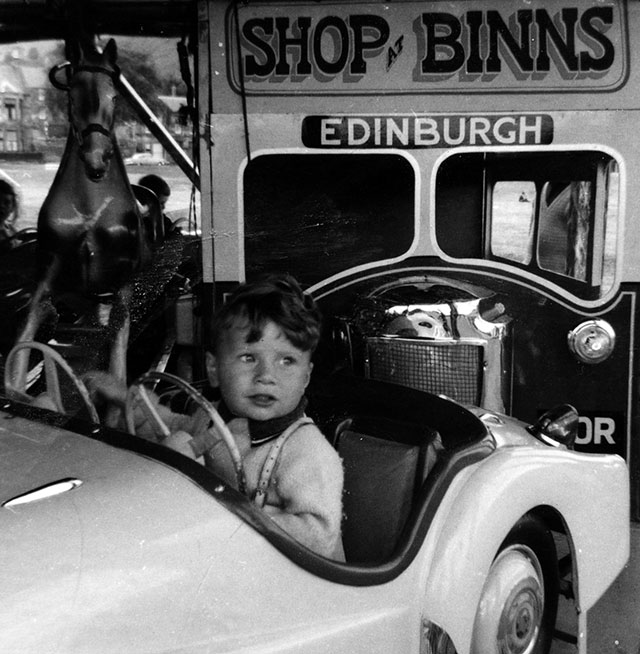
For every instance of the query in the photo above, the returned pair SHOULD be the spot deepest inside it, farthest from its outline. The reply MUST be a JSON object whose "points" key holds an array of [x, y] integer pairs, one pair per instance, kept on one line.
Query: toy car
{"points": [[462, 529]]}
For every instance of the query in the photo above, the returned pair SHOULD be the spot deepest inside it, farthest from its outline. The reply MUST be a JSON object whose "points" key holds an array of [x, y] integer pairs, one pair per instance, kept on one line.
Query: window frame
{"points": [[538, 165]]}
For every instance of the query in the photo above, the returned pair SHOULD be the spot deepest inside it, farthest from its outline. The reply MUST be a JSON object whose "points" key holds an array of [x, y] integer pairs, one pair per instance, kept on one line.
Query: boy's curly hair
{"points": [[275, 298]]}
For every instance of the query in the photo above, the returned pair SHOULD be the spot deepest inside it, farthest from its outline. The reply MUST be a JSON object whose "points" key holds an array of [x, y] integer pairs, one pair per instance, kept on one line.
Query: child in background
{"points": [[162, 190], [8, 213], [260, 359]]}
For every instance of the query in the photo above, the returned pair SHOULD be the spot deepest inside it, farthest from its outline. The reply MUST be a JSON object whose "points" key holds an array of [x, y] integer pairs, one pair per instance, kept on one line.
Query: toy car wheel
{"points": [[517, 609]]}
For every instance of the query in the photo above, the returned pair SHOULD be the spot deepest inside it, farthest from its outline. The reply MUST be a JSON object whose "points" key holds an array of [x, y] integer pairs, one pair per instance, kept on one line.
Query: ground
{"points": [[613, 624]]}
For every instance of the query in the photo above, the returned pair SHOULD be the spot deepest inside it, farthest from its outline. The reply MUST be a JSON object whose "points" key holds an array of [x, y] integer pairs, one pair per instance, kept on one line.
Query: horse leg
{"points": [[118, 354], [35, 318]]}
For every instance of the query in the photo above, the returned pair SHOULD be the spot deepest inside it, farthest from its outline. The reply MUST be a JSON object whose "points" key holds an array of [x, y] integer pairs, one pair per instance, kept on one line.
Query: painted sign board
{"points": [[418, 47]]}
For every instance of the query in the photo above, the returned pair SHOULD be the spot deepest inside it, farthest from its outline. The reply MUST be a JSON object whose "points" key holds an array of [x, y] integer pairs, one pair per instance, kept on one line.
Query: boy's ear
{"points": [[308, 375], [211, 364]]}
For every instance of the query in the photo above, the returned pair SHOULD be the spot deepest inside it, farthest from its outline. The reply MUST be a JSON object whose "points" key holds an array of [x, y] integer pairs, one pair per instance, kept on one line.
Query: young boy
{"points": [[162, 190], [8, 214], [260, 359]]}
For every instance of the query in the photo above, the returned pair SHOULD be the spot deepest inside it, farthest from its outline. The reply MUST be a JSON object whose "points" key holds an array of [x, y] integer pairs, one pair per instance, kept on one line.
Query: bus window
{"points": [[513, 211], [321, 214], [554, 214], [565, 220], [612, 218]]}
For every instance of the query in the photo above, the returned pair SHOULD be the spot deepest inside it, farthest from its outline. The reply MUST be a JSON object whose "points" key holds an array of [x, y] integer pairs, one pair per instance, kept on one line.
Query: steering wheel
{"points": [[25, 235], [137, 391], [51, 363]]}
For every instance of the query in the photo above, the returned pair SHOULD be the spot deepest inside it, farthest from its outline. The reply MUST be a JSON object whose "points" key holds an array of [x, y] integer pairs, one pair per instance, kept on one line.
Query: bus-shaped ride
{"points": [[452, 181]]}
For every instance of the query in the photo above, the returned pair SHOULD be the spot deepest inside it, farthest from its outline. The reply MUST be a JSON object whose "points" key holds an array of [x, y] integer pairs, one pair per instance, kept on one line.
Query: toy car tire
{"points": [[518, 606]]}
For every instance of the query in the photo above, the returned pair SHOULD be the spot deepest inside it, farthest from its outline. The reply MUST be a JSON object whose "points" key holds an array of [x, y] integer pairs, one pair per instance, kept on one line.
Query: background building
{"points": [[24, 115], [33, 114]]}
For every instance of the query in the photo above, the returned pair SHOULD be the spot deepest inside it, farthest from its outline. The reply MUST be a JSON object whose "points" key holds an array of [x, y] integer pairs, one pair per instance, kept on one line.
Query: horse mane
{"points": [[85, 50]]}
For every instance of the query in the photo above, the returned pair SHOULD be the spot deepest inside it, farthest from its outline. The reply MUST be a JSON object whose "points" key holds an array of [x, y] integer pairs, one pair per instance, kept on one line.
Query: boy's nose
{"points": [[264, 372]]}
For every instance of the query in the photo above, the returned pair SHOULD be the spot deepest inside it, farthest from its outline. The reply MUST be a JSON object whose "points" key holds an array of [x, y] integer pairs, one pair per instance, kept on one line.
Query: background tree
{"points": [[55, 99], [141, 73]]}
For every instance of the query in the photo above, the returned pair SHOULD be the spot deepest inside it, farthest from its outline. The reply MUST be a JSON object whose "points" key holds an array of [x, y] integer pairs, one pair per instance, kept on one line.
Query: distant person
{"points": [[8, 214], [162, 190]]}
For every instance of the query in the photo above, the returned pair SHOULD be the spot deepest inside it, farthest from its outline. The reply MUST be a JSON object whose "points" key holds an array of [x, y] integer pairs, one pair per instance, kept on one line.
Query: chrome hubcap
{"points": [[520, 621], [512, 604]]}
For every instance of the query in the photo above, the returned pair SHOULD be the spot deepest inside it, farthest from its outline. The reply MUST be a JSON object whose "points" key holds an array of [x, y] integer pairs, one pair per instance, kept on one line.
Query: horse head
{"points": [[90, 220], [91, 87]]}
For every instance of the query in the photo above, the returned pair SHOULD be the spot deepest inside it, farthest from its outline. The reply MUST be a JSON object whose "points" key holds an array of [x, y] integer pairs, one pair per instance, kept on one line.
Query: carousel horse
{"points": [[91, 233]]}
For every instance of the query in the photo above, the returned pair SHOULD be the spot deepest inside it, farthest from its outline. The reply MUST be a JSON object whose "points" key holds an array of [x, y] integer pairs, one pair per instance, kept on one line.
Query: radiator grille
{"points": [[453, 369]]}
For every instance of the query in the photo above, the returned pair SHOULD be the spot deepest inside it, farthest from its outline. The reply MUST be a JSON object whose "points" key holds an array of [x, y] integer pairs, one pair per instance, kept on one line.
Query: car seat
{"points": [[385, 463]]}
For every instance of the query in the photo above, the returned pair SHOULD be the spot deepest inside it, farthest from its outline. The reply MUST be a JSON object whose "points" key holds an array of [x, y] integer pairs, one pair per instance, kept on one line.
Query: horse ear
{"points": [[73, 52], [111, 51]]}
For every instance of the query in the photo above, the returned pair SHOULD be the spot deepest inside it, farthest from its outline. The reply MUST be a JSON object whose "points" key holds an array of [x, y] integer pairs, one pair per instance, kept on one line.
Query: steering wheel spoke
{"points": [[52, 363], [138, 390], [138, 396], [53, 383]]}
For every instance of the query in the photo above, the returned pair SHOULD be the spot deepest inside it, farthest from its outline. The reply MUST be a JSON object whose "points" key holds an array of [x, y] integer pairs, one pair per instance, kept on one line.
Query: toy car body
{"points": [[111, 543]]}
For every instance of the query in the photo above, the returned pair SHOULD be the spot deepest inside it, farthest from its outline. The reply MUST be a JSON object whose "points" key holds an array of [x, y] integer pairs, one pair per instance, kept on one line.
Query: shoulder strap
{"points": [[260, 495]]}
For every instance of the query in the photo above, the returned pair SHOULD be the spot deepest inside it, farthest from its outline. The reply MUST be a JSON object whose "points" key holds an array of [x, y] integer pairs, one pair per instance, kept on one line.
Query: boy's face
{"points": [[260, 380]]}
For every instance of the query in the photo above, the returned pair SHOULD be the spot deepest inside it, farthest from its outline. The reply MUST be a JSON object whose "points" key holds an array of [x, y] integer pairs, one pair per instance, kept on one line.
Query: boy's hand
{"points": [[182, 442], [104, 388]]}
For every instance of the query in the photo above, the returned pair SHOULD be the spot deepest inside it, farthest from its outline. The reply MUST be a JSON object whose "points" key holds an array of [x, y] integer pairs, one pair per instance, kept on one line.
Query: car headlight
{"points": [[592, 341], [556, 427]]}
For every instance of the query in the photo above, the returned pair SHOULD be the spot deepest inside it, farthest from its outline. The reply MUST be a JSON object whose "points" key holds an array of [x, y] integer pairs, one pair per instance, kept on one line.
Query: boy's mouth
{"points": [[262, 400]]}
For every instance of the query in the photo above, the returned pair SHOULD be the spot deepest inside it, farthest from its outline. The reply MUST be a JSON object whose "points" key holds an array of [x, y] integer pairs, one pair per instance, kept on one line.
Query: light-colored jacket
{"points": [[304, 493]]}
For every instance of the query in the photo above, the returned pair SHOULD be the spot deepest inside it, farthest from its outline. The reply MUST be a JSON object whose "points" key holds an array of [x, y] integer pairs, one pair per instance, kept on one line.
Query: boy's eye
{"points": [[246, 357], [288, 361]]}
